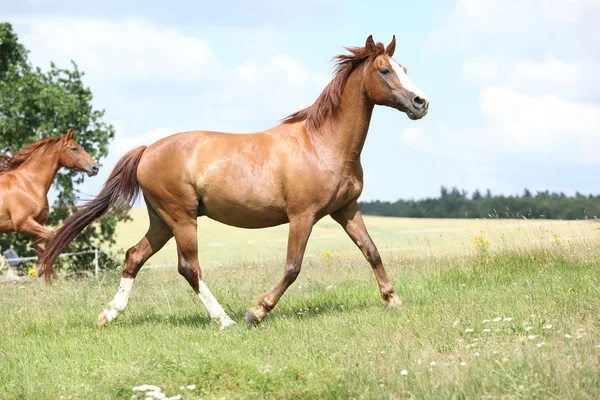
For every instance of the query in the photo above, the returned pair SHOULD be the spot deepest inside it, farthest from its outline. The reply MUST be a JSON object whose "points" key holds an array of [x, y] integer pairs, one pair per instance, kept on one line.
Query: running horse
{"points": [[305, 168], [25, 179]]}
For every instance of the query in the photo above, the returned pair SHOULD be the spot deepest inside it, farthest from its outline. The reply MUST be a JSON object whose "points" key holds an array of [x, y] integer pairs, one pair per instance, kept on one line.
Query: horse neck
{"points": [[344, 133], [42, 168]]}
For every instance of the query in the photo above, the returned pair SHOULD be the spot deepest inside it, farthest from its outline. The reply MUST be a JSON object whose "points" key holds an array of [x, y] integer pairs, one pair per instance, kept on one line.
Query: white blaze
{"points": [[405, 80]]}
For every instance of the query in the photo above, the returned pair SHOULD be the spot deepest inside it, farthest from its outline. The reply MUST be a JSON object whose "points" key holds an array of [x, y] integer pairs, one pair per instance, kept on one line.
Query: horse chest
{"points": [[348, 189]]}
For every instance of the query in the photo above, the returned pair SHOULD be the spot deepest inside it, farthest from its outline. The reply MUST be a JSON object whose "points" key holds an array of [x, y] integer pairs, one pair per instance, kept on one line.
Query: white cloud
{"points": [[546, 124], [491, 24], [551, 70], [517, 124], [551, 74], [480, 69], [127, 49], [130, 63], [536, 69]]}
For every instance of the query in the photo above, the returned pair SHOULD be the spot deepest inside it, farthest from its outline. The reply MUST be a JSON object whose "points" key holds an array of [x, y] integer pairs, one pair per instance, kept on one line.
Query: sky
{"points": [[514, 85]]}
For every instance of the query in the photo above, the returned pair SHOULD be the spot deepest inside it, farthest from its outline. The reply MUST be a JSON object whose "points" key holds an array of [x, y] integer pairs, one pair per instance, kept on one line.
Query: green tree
{"points": [[36, 104]]}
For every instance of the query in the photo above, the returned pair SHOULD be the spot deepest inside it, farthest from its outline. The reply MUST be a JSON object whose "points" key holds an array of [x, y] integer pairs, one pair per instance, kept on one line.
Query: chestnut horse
{"points": [[25, 179], [298, 172]]}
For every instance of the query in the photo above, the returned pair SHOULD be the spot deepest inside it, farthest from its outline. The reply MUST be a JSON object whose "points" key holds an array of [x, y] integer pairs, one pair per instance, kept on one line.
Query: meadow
{"points": [[493, 309]]}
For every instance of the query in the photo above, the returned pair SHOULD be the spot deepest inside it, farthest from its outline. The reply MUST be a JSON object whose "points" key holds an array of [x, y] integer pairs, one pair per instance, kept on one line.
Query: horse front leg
{"points": [[39, 236], [350, 218], [300, 229]]}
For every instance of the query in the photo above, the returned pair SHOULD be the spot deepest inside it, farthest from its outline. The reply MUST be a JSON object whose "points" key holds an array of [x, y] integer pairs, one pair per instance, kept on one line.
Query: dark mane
{"points": [[330, 98], [9, 163]]}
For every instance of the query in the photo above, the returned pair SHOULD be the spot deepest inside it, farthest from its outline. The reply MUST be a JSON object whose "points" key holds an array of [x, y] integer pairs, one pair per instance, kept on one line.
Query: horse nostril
{"points": [[419, 102], [95, 168]]}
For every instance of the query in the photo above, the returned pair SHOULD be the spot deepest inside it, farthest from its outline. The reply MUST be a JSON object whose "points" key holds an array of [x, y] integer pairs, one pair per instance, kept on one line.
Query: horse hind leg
{"points": [[189, 267], [158, 234]]}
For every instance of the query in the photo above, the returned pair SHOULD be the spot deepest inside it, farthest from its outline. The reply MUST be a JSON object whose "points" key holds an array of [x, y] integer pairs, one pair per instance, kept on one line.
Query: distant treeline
{"points": [[458, 204]]}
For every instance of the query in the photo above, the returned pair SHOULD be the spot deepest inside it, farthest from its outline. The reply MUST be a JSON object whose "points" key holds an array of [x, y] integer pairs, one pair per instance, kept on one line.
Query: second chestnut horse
{"points": [[298, 172], [26, 177]]}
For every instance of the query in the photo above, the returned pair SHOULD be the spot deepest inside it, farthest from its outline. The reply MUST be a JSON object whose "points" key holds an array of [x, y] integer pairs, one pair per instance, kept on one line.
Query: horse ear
{"points": [[370, 44], [389, 50], [70, 134]]}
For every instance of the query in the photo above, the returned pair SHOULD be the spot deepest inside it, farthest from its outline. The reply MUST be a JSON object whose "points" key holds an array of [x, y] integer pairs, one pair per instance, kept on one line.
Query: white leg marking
{"points": [[119, 303], [212, 305]]}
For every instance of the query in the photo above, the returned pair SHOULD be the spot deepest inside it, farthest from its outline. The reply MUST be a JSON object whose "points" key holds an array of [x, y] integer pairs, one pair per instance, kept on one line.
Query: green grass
{"points": [[330, 336]]}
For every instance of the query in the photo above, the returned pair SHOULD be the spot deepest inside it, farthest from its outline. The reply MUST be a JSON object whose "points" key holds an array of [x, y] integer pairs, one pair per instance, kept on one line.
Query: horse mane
{"points": [[10, 163], [330, 98]]}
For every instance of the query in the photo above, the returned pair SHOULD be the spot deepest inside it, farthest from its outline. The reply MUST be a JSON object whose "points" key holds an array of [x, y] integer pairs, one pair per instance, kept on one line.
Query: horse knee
{"points": [[190, 272], [133, 259], [291, 273]]}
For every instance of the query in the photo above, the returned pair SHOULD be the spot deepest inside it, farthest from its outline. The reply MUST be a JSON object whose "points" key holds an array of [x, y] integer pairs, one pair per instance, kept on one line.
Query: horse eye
{"points": [[74, 149], [384, 71]]}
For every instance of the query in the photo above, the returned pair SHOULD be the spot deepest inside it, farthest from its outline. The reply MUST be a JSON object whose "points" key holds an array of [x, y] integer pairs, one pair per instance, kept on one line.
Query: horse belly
{"points": [[243, 213], [243, 201]]}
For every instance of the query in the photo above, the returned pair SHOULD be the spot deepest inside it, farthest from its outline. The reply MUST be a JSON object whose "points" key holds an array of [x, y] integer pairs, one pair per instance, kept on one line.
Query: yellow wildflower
{"points": [[480, 242], [32, 272]]}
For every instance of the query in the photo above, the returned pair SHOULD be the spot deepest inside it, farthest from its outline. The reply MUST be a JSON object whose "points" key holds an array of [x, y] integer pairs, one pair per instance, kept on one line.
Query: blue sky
{"points": [[514, 85]]}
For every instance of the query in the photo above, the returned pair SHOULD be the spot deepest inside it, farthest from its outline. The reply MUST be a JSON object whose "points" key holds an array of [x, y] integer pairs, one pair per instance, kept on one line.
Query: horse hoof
{"points": [[251, 319], [102, 319], [227, 323], [396, 304]]}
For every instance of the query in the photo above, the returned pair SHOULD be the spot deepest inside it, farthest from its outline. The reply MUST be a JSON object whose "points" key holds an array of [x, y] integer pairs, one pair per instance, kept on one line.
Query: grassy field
{"points": [[518, 318]]}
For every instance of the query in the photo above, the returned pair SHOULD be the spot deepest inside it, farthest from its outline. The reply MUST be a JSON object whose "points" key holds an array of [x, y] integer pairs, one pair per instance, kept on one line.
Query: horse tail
{"points": [[120, 189]]}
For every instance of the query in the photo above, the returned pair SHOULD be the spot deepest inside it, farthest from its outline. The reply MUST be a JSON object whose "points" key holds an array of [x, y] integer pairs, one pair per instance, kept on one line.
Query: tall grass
{"points": [[512, 319]]}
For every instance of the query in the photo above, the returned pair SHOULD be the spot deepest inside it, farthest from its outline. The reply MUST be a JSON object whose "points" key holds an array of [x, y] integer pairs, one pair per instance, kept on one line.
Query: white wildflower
{"points": [[578, 337], [463, 364], [486, 330], [549, 326], [469, 330], [507, 319], [531, 337], [567, 336], [433, 363], [191, 387], [540, 344], [485, 321], [529, 328], [497, 319], [145, 388], [476, 354], [404, 372]]}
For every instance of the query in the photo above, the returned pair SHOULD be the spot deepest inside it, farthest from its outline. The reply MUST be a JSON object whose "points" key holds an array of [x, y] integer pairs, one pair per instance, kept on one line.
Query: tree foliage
{"points": [[455, 204], [36, 104]]}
